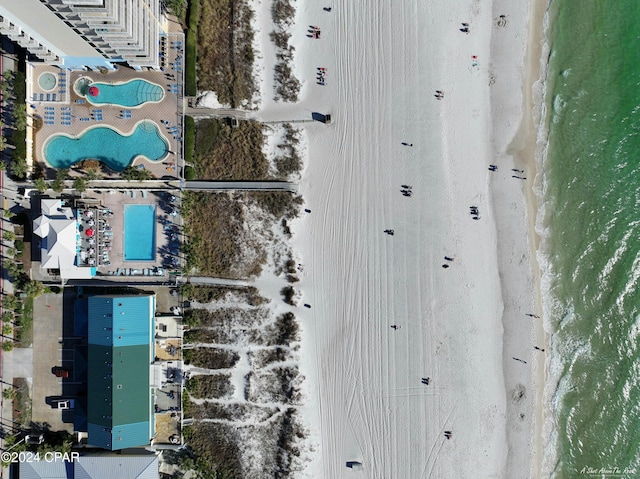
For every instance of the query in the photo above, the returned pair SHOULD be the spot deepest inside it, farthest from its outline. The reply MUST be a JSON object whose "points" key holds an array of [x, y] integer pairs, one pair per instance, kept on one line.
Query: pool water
{"points": [[128, 94], [139, 232], [107, 145], [47, 81]]}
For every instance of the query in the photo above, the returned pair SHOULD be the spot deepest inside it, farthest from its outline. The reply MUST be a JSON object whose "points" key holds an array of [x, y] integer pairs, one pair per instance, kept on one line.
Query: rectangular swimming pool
{"points": [[139, 232]]}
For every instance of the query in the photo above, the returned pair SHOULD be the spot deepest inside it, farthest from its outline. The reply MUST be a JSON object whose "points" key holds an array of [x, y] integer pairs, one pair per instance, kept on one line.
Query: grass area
{"points": [[191, 80], [280, 204], [178, 8], [21, 402], [287, 160], [24, 333], [217, 448], [225, 50], [212, 358], [189, 138], [213, 386], [207, 294], [212, 224], [226, 153]]}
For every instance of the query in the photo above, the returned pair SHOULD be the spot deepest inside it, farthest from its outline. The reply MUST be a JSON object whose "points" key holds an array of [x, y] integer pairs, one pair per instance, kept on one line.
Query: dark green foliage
{"points": [[191, 83], [211, 358], [189, 139]]}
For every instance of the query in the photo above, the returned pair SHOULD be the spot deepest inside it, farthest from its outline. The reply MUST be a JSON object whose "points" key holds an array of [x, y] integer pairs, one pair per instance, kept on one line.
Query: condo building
{"points": [[79, 34]]}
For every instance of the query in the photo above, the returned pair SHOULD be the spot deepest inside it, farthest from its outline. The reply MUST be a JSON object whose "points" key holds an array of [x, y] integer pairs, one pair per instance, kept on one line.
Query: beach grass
{"points": [[217, 448], [225, 50], [213, 386], [214, 232], [211, 358], [206, 294], [223, 152], [280, 204]]}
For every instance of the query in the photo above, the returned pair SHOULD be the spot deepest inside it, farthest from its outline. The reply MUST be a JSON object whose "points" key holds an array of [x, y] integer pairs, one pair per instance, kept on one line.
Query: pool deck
{"points": [[81, 114], [166, 248]]}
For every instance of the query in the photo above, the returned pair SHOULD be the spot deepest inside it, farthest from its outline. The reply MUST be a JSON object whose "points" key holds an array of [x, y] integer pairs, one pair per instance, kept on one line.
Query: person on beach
{"points": [[407, 144], [395, 327], [445, 266], [425, 381], [538, 349], [389, 232]]}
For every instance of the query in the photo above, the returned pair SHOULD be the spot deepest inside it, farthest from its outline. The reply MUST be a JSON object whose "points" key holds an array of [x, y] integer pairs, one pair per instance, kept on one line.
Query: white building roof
{"points": [[59, 245], [58, 228], [40, 23]]}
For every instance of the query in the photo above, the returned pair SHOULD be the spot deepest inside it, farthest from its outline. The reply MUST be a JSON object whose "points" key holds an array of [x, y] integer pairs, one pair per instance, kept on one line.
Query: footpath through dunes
{"points": [[367, 398]]}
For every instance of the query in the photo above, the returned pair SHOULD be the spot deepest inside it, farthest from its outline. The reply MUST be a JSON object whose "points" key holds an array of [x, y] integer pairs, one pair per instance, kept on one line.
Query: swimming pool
{"points": [[108, 145], [129, 94], [47, 81], [139, 232]]}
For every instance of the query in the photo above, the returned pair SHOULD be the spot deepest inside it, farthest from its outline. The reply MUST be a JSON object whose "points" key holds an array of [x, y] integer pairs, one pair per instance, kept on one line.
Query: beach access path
{"points": [[366, 402]]}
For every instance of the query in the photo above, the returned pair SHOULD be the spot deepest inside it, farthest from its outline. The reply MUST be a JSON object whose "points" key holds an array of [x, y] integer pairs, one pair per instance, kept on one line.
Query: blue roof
{"points": [[121, 320], [94, 467], [120, 352], [46, 470], [117, 467]]}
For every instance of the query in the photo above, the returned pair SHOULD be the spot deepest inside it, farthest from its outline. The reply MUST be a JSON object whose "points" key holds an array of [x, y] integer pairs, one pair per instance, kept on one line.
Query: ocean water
{"points": [[591, 243]]}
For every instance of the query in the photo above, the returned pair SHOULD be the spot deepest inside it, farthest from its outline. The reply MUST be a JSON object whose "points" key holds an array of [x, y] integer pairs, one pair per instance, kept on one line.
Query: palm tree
{"points": [[80, 185], [19, 167], [41, 185]]}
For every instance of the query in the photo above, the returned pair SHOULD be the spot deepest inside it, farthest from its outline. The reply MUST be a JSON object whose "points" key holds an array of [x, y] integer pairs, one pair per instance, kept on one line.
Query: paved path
{"points": [[238, 283], [241, 185]]}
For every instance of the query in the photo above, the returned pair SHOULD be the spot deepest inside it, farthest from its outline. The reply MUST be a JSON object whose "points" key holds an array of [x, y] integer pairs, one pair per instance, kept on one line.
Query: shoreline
{"points": [[528, 154], [521, 150]]}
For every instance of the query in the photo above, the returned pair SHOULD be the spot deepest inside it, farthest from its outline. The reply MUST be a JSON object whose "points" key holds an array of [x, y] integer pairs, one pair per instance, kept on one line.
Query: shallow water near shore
{"points": [[591, 247]]}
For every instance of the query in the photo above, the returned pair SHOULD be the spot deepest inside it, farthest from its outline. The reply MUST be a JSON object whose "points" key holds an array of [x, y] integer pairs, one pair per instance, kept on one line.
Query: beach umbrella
{"points": [[89, 232], [93, 91]]}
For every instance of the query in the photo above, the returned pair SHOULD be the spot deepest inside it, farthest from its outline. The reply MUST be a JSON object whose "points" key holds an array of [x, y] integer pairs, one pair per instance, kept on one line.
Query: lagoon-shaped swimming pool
{"points": [[128, 94], [107, 145]]}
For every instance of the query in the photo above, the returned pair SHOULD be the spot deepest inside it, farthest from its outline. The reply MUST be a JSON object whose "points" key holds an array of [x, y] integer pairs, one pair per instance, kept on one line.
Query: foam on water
{"points": [[589, 194]]}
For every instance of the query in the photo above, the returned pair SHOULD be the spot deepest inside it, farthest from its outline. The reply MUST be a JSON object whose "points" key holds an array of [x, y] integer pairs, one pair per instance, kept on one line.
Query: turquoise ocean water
{"points": [[591, 242]]}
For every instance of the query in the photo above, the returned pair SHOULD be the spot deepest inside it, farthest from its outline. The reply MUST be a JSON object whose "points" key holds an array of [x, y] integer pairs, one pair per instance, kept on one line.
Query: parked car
{"points": [[34, 439]]}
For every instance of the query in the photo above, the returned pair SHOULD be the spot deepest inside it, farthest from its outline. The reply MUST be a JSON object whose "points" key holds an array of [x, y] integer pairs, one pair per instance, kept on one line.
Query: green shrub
{"points": [[189, 173], [191, 85], [189, 138]]}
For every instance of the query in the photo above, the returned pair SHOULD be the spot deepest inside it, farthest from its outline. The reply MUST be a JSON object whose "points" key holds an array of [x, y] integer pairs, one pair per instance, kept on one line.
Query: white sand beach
{"points": [[461, 326]]}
